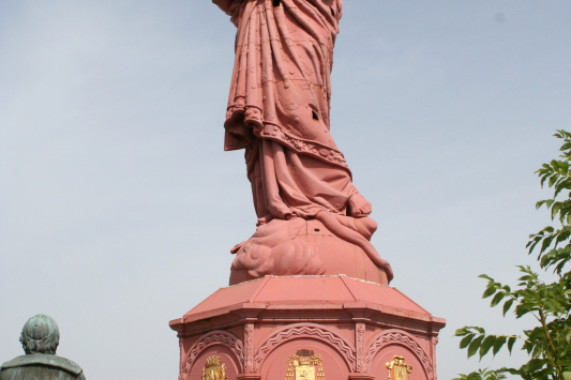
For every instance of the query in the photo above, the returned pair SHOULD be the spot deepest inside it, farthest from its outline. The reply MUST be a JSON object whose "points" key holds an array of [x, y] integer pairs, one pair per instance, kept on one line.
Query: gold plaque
{"points": [[398, 369], [305, 365], [214, 369]]}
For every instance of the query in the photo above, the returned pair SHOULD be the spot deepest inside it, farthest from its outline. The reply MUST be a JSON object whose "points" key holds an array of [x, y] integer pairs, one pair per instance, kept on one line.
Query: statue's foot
{"points": [[358, 206], [364, 226]]}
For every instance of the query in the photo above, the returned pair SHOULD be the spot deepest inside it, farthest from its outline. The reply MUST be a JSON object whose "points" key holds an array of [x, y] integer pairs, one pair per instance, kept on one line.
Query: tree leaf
{"points": [[466, 340], [497, 298], [488, 292], [475, 345], [507, 305], [498, 343], [511, 342], [486, 345]]}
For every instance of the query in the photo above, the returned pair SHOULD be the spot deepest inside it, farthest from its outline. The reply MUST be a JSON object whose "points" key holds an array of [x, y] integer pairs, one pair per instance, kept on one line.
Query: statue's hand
{"points": [[359, 206]]}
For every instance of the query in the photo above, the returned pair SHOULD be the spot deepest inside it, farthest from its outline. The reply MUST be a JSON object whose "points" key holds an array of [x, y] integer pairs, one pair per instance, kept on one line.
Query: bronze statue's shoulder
{"points": [[43, 359]]}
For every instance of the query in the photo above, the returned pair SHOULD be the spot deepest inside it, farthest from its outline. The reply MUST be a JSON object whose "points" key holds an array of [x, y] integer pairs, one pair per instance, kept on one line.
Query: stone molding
{"points": [[306, 330], [249, 347]]}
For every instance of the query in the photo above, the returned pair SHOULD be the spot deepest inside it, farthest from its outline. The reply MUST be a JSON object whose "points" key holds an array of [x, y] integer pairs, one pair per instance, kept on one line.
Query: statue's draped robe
{"points": [[279, 106]]}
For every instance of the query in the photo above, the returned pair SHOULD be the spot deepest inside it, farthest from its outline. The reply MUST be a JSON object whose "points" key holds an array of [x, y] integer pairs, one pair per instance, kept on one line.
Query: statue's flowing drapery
{"points": [[278, 111], [279, 105]]}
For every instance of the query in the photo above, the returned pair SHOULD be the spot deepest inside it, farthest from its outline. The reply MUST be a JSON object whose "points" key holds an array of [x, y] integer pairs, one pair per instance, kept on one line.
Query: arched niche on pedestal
{"points": [[221, 344], [389, 343], [337, 355]]}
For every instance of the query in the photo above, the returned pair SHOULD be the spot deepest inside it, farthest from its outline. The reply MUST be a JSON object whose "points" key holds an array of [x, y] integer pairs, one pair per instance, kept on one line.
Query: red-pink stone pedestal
{"points": [[353, 326]]}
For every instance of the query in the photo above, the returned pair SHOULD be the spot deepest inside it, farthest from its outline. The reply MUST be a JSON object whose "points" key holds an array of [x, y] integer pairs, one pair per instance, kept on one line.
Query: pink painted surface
{"points": [[279, 112], [304, 247], [308, 280], [227, 357], [355, 326], [306, 293], [274, 367]]}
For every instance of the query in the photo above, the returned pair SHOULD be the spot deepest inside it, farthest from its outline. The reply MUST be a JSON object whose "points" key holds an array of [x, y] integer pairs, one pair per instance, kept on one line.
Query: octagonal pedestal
{"points": [[310, 328]]}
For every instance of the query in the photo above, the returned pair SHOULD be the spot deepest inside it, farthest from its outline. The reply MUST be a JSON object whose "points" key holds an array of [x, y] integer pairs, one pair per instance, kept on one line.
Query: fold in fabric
{"points": [[279, 106]]}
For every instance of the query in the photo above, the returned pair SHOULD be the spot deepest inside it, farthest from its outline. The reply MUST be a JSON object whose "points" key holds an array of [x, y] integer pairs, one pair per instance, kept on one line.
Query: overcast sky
{"points": [[118, 206]]}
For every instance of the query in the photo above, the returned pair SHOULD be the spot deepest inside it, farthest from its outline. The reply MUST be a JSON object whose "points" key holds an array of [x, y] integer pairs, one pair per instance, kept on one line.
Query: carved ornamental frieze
{"points": [[299, 330]]}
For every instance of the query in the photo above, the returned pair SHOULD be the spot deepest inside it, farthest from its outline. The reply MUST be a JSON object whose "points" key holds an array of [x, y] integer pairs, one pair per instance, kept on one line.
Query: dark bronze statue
{"points": [[40, 339]]}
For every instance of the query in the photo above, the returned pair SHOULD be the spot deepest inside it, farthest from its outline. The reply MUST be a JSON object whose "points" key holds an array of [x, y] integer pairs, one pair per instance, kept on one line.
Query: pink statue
{"points": [[278, 111]]}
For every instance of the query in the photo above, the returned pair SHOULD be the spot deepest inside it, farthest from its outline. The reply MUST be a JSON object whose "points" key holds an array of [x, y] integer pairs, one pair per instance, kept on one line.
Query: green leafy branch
{"points": [[548, 344]]}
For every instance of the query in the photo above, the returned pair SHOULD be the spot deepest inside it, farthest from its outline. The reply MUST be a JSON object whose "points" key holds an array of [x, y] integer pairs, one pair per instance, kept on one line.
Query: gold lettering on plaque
{"points": [[214, 369], [305, 365], [398, 369]]}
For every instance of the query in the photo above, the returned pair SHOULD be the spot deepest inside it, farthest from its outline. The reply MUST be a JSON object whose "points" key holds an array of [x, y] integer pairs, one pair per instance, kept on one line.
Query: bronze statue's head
{"points": [[40, 335]]}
